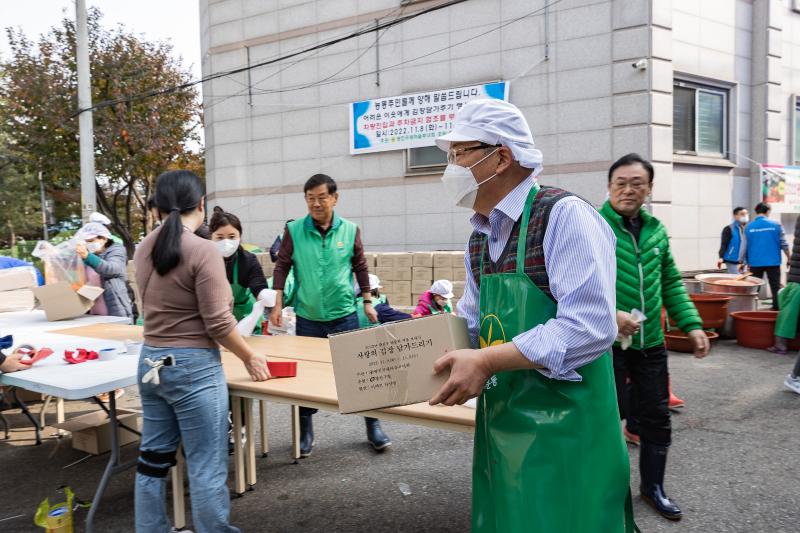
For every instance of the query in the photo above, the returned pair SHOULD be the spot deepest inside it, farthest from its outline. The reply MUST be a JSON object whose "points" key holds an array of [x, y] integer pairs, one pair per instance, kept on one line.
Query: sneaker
{"points": [[776, 350], [793, 384]]}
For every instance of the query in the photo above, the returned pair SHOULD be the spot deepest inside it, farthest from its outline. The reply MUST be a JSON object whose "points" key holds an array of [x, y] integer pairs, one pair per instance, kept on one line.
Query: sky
{"points": [[176, 21]]}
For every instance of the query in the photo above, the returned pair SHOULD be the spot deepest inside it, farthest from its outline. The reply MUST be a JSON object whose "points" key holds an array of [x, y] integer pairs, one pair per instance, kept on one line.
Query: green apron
{"points": [[549, 454], [789, 302], [243, 299]]}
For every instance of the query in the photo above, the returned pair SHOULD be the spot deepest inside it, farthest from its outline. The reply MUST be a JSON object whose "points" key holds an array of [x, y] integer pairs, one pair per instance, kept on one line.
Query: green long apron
{"points": [[789, 301], [549, 454], [243, 299]]}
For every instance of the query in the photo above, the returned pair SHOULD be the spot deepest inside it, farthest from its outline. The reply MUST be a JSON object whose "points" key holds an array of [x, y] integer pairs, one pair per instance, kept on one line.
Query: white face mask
{"points": [[227, 247], [744, 220], [94, 247], [460, 184]]}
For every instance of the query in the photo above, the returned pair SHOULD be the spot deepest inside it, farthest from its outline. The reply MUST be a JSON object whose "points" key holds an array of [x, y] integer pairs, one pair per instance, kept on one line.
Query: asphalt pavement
{"points": [[734, 465]]}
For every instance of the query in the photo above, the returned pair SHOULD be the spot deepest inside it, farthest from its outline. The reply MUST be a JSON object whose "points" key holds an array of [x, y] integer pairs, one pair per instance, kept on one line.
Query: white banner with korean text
{"points": [[412, 120]]}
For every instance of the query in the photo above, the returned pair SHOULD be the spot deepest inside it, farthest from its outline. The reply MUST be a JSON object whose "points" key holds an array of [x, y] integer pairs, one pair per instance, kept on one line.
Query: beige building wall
{"points": [[270, 129]]}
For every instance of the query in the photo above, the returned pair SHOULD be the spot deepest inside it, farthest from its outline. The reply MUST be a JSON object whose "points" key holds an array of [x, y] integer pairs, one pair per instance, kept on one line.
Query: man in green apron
{"points": [[549, 454]]}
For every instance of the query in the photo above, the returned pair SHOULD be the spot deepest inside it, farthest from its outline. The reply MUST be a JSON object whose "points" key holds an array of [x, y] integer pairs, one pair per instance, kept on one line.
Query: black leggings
{"points": [[796, 371]]}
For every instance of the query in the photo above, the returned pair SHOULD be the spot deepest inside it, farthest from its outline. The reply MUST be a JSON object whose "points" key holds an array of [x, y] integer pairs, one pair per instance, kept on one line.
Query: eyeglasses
{"points": [[452, 154], [321, 199], [634, 185]]}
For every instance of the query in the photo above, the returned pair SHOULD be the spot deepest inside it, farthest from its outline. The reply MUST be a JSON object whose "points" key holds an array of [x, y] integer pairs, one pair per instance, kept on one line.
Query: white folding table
{"points": [[26, 327], [55, 377]]}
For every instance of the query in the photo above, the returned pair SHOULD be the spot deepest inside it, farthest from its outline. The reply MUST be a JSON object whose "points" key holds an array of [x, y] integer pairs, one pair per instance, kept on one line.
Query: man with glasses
{"points": [[647, 279], [325, 252], [539, 305]]}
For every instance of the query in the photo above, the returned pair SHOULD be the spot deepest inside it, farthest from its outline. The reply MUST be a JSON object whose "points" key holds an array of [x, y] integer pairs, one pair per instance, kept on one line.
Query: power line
{"points": [[395, 66], [248, 88], [326, 44]]}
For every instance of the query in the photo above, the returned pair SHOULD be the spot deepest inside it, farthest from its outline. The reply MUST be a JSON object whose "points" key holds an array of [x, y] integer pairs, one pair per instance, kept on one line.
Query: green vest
{"points": [[363, 321], [323, 269], [647, 278]]}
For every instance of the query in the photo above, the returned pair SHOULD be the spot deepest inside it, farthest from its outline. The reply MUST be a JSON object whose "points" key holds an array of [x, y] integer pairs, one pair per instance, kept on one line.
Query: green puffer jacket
{"points": [[647, 278]]}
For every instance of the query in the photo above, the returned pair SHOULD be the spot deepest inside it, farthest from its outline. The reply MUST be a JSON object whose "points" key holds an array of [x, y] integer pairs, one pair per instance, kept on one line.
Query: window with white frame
{"points": [[424, 160], [699, 119]]}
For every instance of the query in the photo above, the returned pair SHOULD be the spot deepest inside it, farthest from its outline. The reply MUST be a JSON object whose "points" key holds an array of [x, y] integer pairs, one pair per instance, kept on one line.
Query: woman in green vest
{"points": [[242, 267]]}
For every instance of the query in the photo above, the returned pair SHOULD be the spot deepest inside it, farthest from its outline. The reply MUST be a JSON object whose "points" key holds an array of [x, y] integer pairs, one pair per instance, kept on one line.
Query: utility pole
{"points": [[43, 198], [86, 131]]}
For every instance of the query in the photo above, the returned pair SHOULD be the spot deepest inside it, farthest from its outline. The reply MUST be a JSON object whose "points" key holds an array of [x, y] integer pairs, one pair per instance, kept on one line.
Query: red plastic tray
{"points": [[282, 369]]}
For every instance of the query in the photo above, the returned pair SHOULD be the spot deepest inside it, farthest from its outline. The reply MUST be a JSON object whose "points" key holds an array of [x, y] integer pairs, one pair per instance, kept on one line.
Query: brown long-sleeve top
{"points": [[284, 263], [191, 305]]}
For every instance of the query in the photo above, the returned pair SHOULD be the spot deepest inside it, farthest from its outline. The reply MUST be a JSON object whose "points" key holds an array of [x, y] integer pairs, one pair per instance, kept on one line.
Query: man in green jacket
{"points": [[647, 279], [324, 251]]}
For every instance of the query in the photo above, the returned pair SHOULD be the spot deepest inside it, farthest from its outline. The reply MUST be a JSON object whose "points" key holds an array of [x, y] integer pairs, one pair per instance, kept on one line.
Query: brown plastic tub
{"points": [[678, 341], [755, 329], [713, 309]]}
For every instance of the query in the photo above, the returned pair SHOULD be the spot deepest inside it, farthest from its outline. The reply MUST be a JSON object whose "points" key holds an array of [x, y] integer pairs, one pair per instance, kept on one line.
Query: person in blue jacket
{"points": [[761, 250], [730, 247], [13, 262]]}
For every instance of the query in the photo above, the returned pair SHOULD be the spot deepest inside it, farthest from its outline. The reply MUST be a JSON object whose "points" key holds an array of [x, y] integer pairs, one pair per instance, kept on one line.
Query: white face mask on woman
{"points": [[227, 247], [94, 246], [460, 184]]}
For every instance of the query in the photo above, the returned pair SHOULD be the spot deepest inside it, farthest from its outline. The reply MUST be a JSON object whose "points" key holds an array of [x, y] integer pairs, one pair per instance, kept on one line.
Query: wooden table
{"points": [[313, 387]]}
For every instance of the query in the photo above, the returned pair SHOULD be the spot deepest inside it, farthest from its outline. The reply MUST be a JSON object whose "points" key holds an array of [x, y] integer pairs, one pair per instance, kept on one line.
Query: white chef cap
{"points": [[494, 121]]}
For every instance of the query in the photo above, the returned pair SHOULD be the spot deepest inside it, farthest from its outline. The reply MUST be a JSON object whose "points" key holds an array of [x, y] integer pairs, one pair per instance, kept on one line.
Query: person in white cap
{"points": [[104, 220], [435, 300], [386, 313], [539, 304], [110, 261]]}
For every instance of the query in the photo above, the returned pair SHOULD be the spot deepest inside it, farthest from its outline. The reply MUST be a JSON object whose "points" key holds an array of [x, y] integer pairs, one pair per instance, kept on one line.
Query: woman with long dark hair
{"points": [[187, 308]]}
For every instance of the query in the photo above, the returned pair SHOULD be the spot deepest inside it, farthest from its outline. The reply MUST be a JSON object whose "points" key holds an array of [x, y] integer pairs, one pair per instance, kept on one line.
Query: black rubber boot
{"points": [[306, 435], [652, 465], [375, 435]]}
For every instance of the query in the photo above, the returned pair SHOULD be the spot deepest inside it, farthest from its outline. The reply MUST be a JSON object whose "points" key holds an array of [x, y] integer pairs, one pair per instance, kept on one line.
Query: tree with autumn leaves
{"points": [[136, 136]]}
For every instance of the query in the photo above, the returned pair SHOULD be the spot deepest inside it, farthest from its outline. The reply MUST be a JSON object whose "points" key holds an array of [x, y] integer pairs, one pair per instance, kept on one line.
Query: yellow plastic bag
{"points": [[58, 518]]}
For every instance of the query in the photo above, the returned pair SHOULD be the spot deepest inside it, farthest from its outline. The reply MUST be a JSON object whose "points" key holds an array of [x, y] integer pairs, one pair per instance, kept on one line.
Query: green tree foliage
{"points": [[136, 138]]}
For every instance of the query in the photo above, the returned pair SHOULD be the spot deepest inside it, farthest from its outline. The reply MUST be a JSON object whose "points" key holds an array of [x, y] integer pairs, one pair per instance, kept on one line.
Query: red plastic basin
{"points": [[755, 329]]}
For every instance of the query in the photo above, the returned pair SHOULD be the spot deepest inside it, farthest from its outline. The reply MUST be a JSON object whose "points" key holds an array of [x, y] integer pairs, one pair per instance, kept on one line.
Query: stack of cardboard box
{"points": [[16, 289], [406, 275]]}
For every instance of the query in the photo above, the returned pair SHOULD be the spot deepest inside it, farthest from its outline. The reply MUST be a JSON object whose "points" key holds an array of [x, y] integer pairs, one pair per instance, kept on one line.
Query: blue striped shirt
{"points": [[580, 258]]}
